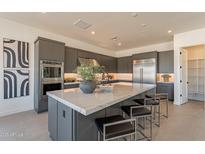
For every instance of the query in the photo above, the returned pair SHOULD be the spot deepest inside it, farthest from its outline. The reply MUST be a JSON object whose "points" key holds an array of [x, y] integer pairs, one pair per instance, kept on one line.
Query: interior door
{"points": [[184, 76]]}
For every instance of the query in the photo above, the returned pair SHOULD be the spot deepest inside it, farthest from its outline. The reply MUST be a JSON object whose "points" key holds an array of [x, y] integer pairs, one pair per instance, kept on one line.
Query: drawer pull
{"points": [[63, 113]]}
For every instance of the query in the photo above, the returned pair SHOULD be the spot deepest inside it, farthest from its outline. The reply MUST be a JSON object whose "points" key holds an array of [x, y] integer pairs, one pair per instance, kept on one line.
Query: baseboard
{"points": [[18, 110]]}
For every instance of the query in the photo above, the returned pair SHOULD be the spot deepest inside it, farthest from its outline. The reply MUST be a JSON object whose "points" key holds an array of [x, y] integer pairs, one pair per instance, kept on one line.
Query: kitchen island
{"points": [[72, 114]]}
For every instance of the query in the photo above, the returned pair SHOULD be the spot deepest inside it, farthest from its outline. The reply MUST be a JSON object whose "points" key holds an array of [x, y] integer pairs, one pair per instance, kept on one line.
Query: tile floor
{"points": [[185, 122]]}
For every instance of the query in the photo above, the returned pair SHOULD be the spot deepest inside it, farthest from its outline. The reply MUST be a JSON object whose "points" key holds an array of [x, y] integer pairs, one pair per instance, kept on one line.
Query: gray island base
{"points": [[72, 114]]}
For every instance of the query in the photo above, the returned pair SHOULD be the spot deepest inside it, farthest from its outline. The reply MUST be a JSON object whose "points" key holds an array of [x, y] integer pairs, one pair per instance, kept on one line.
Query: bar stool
{"points": [[163, 97], [115, 127], [153, 103], [137, 112]]}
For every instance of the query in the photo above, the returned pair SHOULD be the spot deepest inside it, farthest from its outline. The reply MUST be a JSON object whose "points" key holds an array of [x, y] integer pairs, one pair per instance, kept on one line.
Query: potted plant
{"points": [[88, 75]]}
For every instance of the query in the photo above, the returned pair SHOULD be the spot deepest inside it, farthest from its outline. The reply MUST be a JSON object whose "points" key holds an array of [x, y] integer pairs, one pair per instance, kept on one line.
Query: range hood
{"points": [[88, 61]]}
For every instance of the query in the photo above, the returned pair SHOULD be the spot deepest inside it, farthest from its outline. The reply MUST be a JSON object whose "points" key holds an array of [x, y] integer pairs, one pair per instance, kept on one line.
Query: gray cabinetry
{"points": [[146, 55], [53, 118], [110, 63], [124, 64], [166, 62], [59, 121], [51, 49], [65, 129], [166, 88], [72, 85], [71, 59], [86, 54], [44, 49]]}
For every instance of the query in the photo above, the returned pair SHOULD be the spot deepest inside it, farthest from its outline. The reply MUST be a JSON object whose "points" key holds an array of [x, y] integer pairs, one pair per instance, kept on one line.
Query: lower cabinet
{"points": [[166, 88], [53, 118], [64, 123], [68, 86], [59, 121]]}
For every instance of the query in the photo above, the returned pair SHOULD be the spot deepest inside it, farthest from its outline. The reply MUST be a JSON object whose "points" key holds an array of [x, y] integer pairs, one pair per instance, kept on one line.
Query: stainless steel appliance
{"points": [[144, 71], [51, 70], [52, 78]]}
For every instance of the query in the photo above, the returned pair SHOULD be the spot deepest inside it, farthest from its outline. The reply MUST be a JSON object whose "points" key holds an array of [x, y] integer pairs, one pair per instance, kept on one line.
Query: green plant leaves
{"points": [[88, 71]]}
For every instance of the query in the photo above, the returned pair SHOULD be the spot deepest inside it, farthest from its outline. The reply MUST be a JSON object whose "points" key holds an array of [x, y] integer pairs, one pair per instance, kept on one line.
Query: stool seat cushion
{"points": [[114, 130], [160, 97], [149, 102], [136, 111]]}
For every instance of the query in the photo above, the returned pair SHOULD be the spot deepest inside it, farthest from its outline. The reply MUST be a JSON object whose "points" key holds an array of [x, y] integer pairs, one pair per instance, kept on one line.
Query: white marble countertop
{"points": [[89, 103]]}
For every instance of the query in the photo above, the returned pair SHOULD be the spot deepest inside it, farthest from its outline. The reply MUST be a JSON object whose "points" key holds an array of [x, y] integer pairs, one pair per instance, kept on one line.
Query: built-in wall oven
{"points": [[51, 73]]}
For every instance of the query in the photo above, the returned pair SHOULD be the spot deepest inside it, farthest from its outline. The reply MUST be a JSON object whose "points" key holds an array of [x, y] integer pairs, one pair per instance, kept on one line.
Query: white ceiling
{"points": [[129, 29]]}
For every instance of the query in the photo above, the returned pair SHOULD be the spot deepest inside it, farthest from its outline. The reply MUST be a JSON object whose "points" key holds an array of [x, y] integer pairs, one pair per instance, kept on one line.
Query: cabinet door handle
{"points": [[63, 113]]}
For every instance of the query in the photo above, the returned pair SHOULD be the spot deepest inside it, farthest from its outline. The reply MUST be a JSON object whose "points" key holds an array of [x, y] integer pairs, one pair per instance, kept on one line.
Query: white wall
{"points": [[13, 30], [191, 38], [153, 47]]}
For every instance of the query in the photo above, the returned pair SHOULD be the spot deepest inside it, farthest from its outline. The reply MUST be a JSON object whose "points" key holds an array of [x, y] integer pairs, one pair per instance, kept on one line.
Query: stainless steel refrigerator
{"points": [[144, 71]]}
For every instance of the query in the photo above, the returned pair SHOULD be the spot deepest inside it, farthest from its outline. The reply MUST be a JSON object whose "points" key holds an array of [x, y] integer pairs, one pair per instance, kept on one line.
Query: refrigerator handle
{"points": [[142, 75]]}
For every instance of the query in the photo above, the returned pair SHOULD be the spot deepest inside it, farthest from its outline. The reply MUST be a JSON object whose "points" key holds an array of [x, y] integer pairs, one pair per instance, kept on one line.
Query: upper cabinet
{"points": [[72, 55], [166, 62], [71, 62], [124, 64], [110, 63], [86, 54], [145, 55], [49, 49]]}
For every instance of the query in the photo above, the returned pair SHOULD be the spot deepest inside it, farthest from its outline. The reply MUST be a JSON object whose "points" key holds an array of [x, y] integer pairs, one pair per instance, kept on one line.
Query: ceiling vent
{"points": [[82, 24]]}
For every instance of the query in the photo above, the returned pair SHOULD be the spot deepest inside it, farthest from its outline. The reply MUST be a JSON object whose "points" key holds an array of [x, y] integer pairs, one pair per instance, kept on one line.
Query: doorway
{"points": [[192, 74]]}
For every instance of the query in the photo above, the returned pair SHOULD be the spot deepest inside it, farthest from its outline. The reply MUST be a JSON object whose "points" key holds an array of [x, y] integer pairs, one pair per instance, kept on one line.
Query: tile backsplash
{"points": [[124, 76]]}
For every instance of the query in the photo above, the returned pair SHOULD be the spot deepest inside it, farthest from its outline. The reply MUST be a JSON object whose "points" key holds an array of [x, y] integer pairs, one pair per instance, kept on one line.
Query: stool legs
{"points": [[151, 128], [146, 136], [98, 136], [159, 114], [167, 108], [156, 113]]}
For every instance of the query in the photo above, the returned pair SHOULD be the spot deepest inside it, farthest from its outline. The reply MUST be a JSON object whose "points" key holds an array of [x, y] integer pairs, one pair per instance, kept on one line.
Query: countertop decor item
{"points": [[166, 77], [88, 74]]}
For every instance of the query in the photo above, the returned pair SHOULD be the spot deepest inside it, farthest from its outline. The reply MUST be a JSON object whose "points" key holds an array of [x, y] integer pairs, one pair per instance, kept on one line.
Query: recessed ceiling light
{"points": [[169, 31], [43, 12], [144, 25], [93, 32], [134, 14], [119, 44]]}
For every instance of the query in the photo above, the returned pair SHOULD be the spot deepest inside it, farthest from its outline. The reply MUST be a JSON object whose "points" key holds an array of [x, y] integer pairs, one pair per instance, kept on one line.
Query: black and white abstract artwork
{"points": [[16, 54], [16, 83], [16, 68]]}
